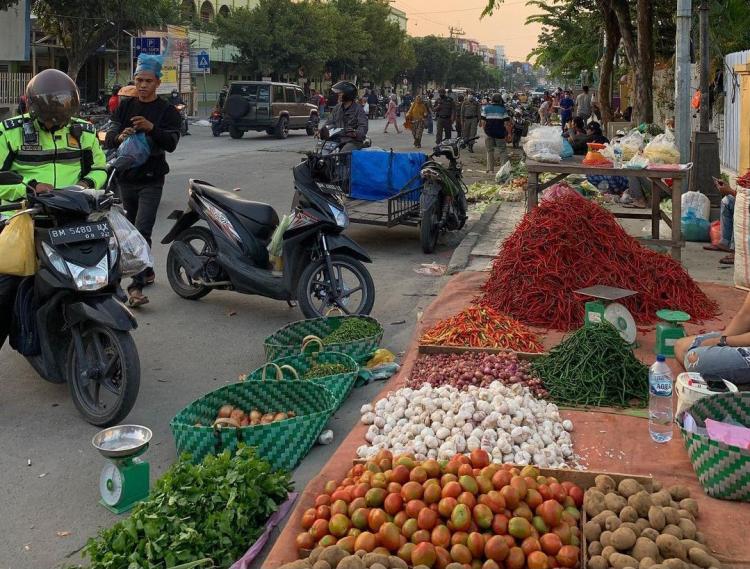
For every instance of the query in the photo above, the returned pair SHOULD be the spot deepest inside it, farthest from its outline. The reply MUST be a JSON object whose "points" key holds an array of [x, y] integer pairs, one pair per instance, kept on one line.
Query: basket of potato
{"points": [[629, 527]]}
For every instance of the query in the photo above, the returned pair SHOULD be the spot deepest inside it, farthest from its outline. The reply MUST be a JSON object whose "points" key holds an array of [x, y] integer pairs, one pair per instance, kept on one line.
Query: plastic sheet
{"points": [[378, 175]]}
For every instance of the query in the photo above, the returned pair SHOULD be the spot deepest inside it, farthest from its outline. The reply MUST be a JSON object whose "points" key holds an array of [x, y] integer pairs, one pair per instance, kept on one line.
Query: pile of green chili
{"points": [[325, 370], [594, 366], [351, 330]]}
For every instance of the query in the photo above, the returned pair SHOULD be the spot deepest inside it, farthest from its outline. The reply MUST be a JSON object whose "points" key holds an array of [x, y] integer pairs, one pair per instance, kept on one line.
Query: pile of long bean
{"points": [[594, 366]]}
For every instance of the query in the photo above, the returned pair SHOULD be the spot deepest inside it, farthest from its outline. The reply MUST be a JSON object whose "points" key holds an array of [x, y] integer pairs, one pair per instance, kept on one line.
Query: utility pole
{"points": [[705, 151], [682, 79]]}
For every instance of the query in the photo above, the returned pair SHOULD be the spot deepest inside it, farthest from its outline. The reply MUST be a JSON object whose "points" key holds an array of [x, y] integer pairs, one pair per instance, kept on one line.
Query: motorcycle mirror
{"points": [[8, 178]]}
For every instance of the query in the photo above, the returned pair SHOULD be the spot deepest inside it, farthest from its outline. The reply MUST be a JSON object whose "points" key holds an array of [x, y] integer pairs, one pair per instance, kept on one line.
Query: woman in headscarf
{"points": [[390, 114], [417, 114]]}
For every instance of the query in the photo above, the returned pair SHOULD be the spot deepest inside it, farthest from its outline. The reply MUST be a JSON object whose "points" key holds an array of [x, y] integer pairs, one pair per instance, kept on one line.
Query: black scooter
{"points": [[320, 268], [68, 321]]}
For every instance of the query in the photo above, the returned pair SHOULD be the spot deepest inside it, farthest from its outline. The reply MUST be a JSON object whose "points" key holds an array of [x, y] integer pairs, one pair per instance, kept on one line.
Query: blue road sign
{"points": [[204, 60], [148, 45]]}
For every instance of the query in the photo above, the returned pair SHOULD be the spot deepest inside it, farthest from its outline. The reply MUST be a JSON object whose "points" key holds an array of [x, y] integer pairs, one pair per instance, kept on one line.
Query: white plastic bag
{"points": [[662, 149], [631, 144], [503, 174], [135, 254], [637, 162], [544, 142], [696, 204]]}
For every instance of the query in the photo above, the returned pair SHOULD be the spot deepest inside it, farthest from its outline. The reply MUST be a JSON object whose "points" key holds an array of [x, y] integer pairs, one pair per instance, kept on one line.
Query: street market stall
{"points": [[655, 174]]}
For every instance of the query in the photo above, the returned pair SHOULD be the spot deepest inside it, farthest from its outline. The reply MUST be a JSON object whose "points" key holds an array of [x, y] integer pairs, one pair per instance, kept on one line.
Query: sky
{"points": [[505, 27]]}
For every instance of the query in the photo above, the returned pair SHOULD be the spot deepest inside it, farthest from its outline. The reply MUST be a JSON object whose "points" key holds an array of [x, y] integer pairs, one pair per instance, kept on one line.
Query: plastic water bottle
{"points": [[660, 401], [617, 150]]}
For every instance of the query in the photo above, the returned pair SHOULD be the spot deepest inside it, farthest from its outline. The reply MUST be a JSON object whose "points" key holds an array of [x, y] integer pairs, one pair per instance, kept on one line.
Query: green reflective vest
{"points": [[60, 158]]}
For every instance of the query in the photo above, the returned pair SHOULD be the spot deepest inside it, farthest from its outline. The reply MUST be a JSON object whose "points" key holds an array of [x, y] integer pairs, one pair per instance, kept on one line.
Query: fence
{"points": [[730, 137], [11, 86]]}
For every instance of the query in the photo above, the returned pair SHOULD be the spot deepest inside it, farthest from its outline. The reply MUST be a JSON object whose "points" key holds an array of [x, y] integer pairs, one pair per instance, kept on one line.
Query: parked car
{"points": [[274, 107]]}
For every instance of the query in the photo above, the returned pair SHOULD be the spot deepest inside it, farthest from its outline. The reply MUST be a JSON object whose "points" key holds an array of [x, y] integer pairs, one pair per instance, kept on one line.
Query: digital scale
{"points": [[605, 309], [124, 480], [669, 330]]}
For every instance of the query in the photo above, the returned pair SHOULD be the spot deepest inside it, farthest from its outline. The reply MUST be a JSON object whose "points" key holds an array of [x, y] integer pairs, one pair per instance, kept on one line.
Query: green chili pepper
{"points": [[325, 370]]}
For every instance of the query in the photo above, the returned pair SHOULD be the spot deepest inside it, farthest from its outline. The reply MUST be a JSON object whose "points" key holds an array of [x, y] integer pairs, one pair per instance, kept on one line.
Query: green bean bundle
{"points": [[594, 366]]}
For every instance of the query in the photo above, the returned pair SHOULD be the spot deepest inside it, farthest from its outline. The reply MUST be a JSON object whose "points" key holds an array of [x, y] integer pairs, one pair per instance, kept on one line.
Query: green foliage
{"points": [[214, 509], [436, 60]]}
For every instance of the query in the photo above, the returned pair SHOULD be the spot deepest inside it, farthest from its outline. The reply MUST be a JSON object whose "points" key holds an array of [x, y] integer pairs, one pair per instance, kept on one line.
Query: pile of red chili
{"points": [[482, 327], [570, 243]]}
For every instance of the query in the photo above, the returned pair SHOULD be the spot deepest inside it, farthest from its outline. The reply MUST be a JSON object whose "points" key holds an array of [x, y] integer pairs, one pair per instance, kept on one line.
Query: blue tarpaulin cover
{"points": [[377, 174]]}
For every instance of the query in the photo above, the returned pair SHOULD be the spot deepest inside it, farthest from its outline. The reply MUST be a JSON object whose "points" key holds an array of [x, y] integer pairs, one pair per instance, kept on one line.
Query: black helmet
{"points": [[497, 99], [347, 89], [53, 97]]}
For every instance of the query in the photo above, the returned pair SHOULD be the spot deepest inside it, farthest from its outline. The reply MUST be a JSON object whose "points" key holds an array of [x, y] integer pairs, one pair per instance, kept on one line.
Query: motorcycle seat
{"points": [[260, 213]]}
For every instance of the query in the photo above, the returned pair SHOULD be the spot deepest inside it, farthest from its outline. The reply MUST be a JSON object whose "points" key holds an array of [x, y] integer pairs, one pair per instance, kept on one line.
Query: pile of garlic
{"points": [[506, 421]]}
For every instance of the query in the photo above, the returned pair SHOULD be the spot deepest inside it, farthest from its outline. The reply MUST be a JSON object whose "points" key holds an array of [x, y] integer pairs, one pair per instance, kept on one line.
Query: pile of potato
{"points": [[334, 557], [229, 415], [630, 528]]}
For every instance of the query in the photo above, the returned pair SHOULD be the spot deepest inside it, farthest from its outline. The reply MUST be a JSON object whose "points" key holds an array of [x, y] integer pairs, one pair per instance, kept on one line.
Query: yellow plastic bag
{"points": [[381, 356], [17, 255]]}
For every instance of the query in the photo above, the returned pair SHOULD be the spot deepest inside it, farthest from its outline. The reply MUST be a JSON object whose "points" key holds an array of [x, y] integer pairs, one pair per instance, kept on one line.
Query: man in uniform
{"points": [[349, 115], [50, 149], [445, 112], [470, 112], [459, 119]]}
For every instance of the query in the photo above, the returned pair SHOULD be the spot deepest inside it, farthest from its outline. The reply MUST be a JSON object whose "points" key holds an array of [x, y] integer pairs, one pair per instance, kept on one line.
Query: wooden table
{"points": [[573, 166]]}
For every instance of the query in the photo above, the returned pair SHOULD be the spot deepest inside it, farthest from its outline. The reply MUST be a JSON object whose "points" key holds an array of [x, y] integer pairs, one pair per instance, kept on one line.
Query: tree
{"points": [[432, 55], [606, 68], [83, 26]]}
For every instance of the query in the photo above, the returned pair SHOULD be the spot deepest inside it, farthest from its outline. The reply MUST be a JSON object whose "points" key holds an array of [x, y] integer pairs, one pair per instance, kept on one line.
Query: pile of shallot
{"points": [[475, 368], [437, 423]]}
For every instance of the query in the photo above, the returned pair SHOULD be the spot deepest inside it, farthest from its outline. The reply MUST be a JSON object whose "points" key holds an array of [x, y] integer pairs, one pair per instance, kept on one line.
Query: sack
{"points": [[696, 204], [24, 337], [135, 254], [715, 232], [17, 254], [742, 238], [504, 173], [133, 152], [378, 175], [662, 149]]}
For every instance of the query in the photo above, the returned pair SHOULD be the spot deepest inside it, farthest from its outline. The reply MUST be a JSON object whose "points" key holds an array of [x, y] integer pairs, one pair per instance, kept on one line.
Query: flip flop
{"points": [[713, 247], [728, 260], [136, 298]]}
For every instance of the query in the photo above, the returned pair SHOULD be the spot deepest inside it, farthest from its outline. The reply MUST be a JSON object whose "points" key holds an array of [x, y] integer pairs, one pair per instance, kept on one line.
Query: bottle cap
{"points": [[660, 358]]}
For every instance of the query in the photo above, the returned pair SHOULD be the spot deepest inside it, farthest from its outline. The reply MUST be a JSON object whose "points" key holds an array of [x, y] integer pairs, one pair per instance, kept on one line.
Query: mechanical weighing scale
{"points": [[669, 330], [604, 308], [124, 480]]}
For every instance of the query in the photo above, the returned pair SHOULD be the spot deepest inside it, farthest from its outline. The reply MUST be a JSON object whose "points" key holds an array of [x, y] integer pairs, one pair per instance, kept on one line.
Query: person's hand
{"points": [[43, 188], [125, 133], [723, 187], [142, 124]]}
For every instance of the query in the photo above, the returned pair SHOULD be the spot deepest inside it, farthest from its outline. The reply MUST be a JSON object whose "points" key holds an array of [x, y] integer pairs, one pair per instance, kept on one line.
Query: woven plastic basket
{"points": [[723, 470], [340, 385], [287, 341], [283, 443]]}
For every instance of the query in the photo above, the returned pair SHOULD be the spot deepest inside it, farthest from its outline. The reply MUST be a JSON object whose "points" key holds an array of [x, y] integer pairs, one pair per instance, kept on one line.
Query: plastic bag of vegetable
{"points": [[277, 239], [631, 144], [543, 143], [504, 173], [662, 149]]}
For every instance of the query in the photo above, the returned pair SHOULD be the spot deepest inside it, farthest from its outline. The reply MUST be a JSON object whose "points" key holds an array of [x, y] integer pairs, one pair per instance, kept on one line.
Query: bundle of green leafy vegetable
{"points": [[215, 509]]}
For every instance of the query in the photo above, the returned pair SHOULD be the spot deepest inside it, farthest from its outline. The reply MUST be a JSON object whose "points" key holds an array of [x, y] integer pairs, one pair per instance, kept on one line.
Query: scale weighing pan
{"points": [[606, 292], [122, 441]]}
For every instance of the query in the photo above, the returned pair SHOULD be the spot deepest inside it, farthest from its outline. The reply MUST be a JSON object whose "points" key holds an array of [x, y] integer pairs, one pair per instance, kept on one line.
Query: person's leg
{"points": [[129, 197], [430, 126], [489, 144], [8, 288], [730, 363], [502, 148], [727, 222], [149, 196], [439, 127]]}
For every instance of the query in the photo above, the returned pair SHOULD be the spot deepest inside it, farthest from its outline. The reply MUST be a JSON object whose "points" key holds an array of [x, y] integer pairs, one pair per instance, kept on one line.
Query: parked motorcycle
{"points": [[68, 321], [442, 202], [520, 128], [321, 268], [217, 122], [183, 118]]}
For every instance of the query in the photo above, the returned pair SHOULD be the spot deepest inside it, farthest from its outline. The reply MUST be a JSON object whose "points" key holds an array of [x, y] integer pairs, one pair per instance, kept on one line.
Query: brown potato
{"points": [[688, 528], [703, 559], [602, 517], [656, 485], [298, 564], [656, 518], [320, 564], [595, 548], [612, 523], [690, 505], [679, 492], [642, 523], [631, 525], [371, 558], [691, 543], [397, 563], [377, 566], [314, 554], [597, 562], [615, 502], [592, 531], [674, 530], [646, 562], [621, 561], [700, 537], [670, 546], [608, 551], [225, 411], [351, 562], [674, 563], [661, 498], [645, 548], [332, 555], [360, 553], [641, 501], [593, 502], [671, 515], [605, 484], [623, 539], [650, 533], [606, 538], [628, 514], [628, 487], [686, 514]]}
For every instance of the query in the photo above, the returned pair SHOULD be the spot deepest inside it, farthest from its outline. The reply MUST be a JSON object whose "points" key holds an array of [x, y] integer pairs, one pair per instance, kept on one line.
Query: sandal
{"points": [[136, 298], [713, 247], [728, 260]]}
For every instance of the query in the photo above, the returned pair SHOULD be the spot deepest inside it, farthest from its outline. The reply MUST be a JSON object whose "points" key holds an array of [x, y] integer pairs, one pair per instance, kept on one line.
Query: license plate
{"points": [[83, 232]]}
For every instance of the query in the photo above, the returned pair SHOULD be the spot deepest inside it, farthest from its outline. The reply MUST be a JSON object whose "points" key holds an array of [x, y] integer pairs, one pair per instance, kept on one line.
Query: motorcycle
{"points": [[520, 129], [216, 119], [183, 119], [331, 141], [68, 320], [442, 202], [321, 269]]}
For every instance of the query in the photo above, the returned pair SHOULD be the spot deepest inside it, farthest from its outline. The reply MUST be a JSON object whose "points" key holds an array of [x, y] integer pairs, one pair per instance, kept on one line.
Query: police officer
{"points": [[470, 112], [349, 115], [445, 111], [50, 149], [459, 119]]}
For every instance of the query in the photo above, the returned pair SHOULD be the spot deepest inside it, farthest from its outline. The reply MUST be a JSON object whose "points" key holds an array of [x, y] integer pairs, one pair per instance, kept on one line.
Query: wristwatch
{"points": [[722, 342]]}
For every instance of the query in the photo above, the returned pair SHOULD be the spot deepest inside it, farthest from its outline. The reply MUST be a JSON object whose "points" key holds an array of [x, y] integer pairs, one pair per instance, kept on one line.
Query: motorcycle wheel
{"points": [[216, 131], [112, 359], [428, 226], [315, 294], [180, 282]]}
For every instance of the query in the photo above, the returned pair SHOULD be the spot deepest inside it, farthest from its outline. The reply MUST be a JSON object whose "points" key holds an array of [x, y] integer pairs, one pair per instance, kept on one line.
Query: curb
{"points": [[462, 254]]}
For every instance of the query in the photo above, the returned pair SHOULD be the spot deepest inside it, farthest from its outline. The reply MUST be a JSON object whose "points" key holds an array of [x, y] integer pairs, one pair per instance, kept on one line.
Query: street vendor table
{"points": [[573, 165]]}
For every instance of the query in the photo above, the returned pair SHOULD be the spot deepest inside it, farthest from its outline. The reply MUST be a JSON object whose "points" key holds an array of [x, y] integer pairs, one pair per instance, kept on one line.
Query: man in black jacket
{"points": [[141, 187]]}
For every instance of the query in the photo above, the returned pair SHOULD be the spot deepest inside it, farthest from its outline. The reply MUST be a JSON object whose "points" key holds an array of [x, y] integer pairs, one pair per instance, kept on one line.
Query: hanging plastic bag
{"points": [[17, 255], [662, 149], [275, 247], [715, 232], [696, 204], [135, 254], [567, 149], [504, 173], [133, 152]]}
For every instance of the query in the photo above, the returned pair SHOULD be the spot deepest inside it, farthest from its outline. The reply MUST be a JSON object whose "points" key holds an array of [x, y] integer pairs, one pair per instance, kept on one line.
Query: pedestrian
{"points": [[141, 187], [545, 109], [445, 111], [583, 106], [496, 125], [459, 119], [430, 112], [417, 114], [365, 105], [390, 115], [566, 110], [372, 101], [470, 112]]}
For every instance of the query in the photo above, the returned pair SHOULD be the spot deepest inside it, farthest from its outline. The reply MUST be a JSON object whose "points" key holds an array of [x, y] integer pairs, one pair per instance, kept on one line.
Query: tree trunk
{"points": [[75, 63], [645, 93], [612, 31]]}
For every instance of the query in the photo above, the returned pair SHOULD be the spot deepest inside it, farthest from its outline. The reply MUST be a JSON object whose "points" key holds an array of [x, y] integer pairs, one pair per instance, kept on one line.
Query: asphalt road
{"points": [[48, 509]]}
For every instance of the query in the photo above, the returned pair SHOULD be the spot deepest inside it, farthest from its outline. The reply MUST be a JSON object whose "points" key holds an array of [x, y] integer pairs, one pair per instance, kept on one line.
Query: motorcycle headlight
{"points": [[342, 220], [90, 278], [114, 251], [55, 259]]}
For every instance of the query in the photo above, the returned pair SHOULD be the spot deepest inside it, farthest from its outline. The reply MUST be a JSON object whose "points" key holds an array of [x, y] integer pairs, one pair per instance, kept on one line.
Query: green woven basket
{"points": [[287, 341], [283, 443], [340, 385], [723, 470]]}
